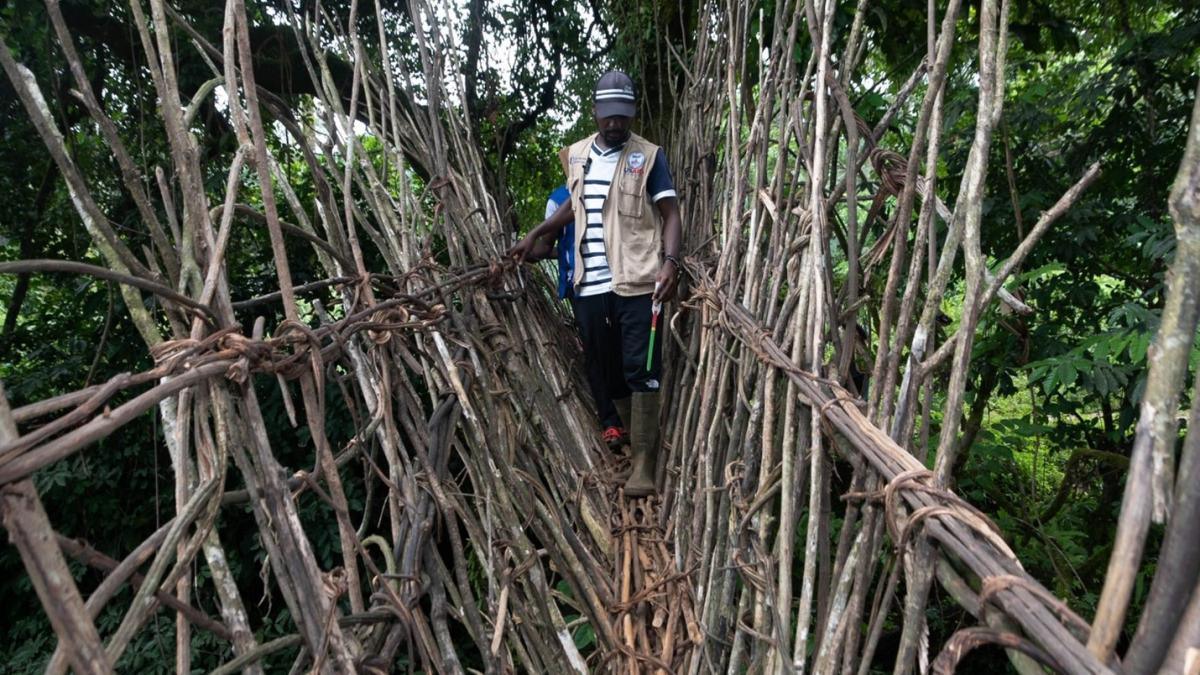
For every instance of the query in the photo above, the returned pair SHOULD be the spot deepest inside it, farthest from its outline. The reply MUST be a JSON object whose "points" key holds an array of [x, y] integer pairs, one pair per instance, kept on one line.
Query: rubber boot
{"points": [[625, 410], [643, 444]]}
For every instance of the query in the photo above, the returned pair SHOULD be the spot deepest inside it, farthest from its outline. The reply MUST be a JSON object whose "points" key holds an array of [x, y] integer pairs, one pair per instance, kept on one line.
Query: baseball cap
{"points": [[614, 95]]}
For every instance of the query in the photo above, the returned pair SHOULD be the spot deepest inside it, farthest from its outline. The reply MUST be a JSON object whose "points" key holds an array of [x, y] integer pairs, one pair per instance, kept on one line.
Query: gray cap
{"points": [[614, 95]]}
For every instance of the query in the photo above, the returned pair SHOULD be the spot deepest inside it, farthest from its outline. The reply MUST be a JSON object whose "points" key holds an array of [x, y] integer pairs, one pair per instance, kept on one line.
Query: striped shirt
{"points": [[597, 178]]}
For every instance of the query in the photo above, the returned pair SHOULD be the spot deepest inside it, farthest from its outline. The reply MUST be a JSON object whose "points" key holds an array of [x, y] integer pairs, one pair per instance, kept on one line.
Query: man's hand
{"points": [[523, 248], [667, 282]]}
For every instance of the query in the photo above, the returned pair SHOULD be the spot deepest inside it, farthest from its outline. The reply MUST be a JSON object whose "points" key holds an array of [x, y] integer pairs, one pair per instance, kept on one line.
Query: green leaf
{"points": [[1050, 384], [1066, 374], [1138, 346], [585, 636]]}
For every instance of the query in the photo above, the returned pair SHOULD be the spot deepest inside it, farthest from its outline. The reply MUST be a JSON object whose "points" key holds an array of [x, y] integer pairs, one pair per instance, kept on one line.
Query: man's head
{"points": [[614, 107]]}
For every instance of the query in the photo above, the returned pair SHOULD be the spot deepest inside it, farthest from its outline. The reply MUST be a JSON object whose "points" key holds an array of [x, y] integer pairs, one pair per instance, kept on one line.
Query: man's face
{"points": [[614, 130]]}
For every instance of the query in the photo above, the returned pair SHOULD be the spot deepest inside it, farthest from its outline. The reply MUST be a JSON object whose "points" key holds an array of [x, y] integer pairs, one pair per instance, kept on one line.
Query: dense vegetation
{"points": [[1053, 397]]}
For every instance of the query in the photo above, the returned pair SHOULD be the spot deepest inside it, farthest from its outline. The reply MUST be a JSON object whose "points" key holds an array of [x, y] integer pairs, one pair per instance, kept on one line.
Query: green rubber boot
{"points": [[644, 444]]}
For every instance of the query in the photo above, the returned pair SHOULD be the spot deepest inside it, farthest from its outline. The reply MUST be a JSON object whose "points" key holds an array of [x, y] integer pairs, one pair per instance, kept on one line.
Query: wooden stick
{"points": [[1151, 464], [30, 531]]}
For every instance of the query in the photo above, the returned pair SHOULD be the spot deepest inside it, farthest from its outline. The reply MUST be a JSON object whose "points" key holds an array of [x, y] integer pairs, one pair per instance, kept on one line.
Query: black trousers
{"points": [[615, 331]]}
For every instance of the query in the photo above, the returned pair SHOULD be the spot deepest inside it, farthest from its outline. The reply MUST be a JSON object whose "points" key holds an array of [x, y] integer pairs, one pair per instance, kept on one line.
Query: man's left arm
{"points": [[661, 189], [668, 274]]}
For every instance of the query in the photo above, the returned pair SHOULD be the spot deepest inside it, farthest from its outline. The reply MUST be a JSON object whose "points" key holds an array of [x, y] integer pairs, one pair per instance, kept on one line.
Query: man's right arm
{"points": [[539, 238]]}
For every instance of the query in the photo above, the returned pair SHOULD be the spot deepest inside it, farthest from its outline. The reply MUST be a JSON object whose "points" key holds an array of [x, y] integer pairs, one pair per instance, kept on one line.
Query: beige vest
{"points": [[632, 227]]}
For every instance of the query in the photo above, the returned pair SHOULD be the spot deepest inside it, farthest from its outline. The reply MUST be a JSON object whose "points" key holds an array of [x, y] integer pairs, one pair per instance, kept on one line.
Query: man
{"points": [[602, 376], [627, 229]]}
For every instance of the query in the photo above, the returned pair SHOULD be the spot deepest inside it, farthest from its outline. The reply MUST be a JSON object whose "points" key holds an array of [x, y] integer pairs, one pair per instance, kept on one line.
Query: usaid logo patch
{"points": [[636, 162]]}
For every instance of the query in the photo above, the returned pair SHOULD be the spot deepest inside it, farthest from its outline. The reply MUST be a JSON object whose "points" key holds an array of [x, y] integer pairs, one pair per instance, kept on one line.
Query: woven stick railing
{"points": [[788, 203]]}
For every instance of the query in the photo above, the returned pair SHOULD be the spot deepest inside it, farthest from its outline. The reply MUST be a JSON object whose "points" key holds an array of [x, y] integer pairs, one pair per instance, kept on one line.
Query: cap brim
{"points": [[615, 109]]}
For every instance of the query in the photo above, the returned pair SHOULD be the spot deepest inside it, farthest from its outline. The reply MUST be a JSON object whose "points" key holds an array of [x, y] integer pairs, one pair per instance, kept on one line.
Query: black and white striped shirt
{"points": [[597, 277]]}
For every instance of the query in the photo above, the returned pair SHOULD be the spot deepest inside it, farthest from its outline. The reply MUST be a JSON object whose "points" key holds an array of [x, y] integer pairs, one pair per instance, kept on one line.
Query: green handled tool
{"points": [[654, 311]]}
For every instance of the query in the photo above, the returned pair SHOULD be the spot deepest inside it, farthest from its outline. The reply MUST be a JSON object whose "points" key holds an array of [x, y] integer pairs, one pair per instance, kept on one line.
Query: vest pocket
{"points": [[639, 255], [630, 199]]}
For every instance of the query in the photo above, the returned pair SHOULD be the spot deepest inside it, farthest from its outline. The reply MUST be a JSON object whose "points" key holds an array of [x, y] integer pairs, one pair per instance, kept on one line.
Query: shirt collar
{"points": [[601, 152]]}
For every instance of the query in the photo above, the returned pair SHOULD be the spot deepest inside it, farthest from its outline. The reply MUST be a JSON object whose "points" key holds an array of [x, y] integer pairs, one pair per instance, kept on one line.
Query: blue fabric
{"points": [[659, 179], [566, 254]]}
